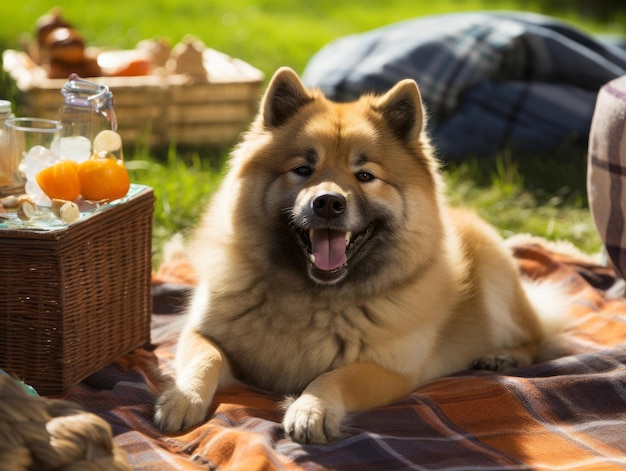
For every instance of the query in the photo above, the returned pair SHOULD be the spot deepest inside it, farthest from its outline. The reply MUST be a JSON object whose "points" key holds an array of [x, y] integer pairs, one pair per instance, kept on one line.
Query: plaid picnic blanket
{"points": [[491, 81], [568, 413]]}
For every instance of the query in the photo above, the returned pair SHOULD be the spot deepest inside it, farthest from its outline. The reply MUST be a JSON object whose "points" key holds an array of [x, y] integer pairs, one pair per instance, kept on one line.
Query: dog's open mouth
{"points": [[328, 251]]}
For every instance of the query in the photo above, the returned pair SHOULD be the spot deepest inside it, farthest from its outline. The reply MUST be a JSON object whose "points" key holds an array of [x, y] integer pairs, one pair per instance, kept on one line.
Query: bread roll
{"points": [[65, 45]]}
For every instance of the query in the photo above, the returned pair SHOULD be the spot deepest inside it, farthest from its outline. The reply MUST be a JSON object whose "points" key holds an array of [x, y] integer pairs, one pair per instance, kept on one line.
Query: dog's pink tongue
{"points": [[329, 248]]}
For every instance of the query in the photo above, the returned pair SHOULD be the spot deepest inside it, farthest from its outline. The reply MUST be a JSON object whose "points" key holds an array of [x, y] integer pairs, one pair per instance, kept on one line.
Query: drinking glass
{"points": [[33, 144]]}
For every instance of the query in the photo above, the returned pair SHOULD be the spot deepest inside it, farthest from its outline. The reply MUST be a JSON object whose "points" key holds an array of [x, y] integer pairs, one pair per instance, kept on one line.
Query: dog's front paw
{"points": [[498, 363], [312, 420], [176, 410]]}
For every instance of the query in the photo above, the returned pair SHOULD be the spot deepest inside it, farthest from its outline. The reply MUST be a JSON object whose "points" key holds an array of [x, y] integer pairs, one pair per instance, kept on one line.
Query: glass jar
{"points": [[10, 179], [87, 109]]}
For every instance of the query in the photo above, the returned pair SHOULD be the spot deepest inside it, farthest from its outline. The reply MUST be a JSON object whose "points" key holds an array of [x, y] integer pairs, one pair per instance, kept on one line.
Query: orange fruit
{"points": [[103, 179], [134, 67], [60, 180]]}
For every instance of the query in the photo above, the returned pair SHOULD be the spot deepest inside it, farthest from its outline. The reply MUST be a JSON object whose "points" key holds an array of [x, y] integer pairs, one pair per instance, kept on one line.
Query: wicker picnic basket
{"points": [[74, 299], [158, 109]]}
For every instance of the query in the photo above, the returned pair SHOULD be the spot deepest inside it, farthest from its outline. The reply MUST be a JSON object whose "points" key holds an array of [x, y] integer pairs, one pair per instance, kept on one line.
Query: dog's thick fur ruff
{"points": [[332, 270]]}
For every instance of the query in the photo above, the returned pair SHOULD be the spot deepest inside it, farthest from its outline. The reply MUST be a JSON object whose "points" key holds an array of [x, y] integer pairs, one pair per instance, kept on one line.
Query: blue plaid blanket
{"points": [[491, 81]]}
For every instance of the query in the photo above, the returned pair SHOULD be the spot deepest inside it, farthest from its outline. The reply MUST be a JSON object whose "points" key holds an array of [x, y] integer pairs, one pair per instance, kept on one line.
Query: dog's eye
{"points": [[303, 171], [364, 176]]}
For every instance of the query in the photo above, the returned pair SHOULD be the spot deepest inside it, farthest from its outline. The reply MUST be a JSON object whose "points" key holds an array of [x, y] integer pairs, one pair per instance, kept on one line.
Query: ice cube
{"points": [[77, 148], [36, 194], [35, 161]]}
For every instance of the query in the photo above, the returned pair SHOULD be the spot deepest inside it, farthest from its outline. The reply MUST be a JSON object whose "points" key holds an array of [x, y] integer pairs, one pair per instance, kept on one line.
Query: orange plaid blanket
{"points": [[568, 413]]}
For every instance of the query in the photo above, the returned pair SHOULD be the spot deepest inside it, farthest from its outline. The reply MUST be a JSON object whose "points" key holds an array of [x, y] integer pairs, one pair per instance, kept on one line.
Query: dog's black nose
{"points": [[329, 205]]}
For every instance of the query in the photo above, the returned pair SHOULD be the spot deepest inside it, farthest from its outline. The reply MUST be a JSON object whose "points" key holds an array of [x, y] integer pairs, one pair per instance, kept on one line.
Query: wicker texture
{"points": [[73, 300], [49, 434], [159, 109]]}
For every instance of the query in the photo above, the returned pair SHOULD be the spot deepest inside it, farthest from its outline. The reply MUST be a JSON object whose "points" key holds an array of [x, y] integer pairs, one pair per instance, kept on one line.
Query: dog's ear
{"points": [[284, 96], [401, 107]]}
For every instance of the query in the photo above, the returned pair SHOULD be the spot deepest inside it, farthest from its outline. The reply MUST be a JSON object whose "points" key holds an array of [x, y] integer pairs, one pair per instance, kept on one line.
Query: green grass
{"points": [[268, 33], [514, 196], [182, 187], [504, 196]]}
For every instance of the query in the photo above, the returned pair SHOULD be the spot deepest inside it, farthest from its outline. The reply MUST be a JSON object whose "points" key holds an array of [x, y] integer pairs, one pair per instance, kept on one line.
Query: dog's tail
{"points": [[553, 304], [553, 300]]}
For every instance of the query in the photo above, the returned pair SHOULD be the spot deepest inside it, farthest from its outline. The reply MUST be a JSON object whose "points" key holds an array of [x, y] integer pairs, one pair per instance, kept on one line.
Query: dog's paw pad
{"points": [[494, 363], [175, 410], [310, 420]]}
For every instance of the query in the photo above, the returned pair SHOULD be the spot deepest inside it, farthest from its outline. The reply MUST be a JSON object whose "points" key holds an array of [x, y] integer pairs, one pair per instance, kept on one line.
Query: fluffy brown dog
{"points": [[332, 269]]}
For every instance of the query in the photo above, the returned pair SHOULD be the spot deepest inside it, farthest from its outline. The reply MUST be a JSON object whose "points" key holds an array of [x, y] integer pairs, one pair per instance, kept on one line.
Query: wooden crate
{"points": [[158, 109]]}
